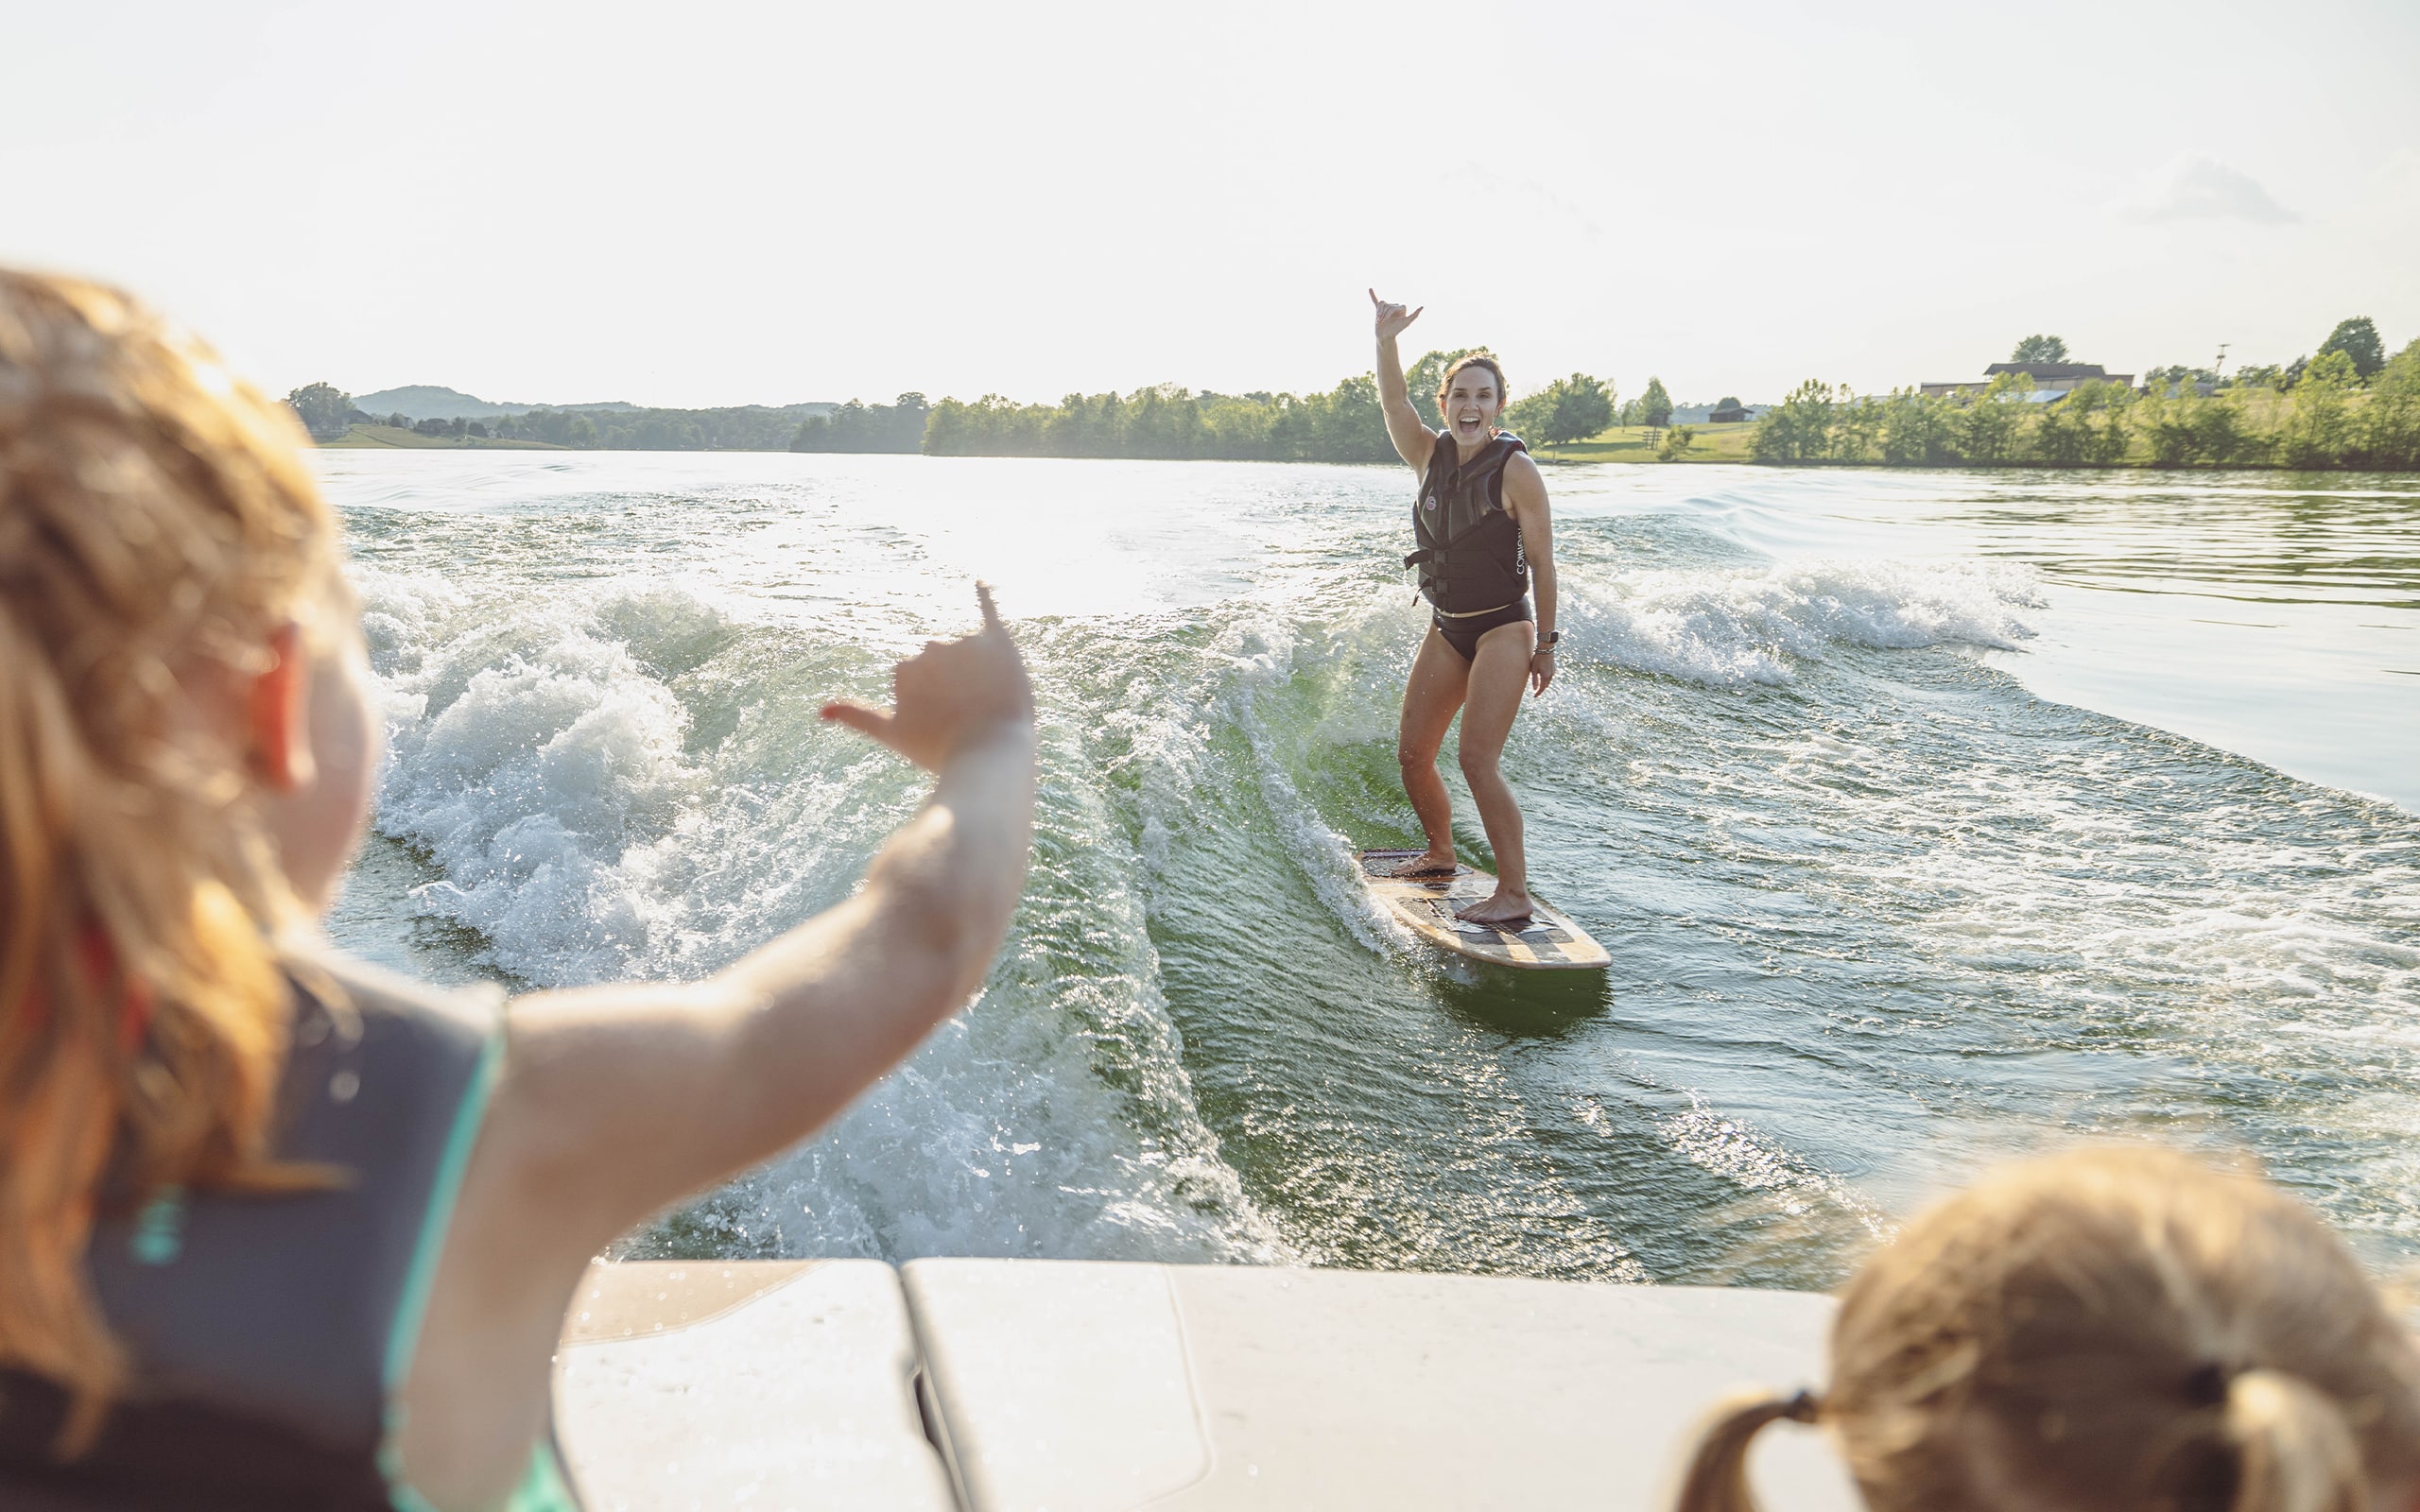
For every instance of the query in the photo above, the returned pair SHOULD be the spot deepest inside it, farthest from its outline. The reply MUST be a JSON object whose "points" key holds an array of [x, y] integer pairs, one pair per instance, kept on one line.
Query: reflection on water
{"points": [[2277, 616], [2267, 538], [2273, 614], [1928, 816]]}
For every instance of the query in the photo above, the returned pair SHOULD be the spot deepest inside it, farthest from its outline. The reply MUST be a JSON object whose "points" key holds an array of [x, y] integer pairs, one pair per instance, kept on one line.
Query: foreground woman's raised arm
{"points": [[1412, 437], [617, 1101]]}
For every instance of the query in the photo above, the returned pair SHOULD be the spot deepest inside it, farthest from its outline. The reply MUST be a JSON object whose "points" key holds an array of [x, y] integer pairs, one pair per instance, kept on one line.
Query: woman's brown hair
{"points": [[2110, 1329], [1474, 359], [157, 525]]}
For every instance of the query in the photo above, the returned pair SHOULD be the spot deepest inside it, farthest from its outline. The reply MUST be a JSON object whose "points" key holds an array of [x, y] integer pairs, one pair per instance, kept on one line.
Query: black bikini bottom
{"points": [[1462, 634]]}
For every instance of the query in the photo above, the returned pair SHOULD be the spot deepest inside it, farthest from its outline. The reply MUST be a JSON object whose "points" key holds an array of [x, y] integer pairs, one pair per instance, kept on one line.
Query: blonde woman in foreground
{"points": [[277, 1230], [2110, 1329]]}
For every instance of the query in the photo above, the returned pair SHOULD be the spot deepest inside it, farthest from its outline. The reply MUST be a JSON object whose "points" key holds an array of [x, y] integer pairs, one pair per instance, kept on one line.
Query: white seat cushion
{"points": [[1101, 1387]]}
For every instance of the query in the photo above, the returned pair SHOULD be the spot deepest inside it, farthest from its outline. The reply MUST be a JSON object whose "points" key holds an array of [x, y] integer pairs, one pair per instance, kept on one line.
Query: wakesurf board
{"points": [[1425, 906]]}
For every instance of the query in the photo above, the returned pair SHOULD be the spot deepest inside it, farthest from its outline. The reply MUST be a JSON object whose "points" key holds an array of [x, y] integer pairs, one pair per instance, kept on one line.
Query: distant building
{"points": [[2051, 380], [1708, 415]]}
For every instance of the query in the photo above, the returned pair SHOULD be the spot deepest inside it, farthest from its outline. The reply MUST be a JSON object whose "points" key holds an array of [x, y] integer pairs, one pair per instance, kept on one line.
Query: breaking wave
{"points": [[1735, 626]]}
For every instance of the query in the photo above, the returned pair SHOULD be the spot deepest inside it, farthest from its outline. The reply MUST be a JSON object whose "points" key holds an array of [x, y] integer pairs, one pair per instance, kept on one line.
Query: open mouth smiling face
{"points": [[1471, 406]]}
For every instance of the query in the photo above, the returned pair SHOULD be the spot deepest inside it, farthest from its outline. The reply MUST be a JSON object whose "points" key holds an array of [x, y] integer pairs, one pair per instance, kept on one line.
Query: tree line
{"points": [[328, 412], [2325, 417], [2347, 405], [1341, 424], [857, 427], [743, 428]]}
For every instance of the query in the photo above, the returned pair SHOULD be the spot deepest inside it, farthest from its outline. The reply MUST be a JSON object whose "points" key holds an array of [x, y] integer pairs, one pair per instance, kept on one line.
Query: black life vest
{"points": [[269, 1333], [1470, 556]]}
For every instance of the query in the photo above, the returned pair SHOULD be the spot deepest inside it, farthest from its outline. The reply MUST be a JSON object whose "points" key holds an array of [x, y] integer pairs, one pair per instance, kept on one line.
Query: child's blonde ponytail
{"points": [[2294, 1450], [2110, 1330], [1715, 1477]]}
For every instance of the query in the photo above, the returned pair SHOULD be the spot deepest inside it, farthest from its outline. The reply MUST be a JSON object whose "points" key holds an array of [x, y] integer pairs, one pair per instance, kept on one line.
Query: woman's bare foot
{"points": [[1428, 864], [1502, 907]]}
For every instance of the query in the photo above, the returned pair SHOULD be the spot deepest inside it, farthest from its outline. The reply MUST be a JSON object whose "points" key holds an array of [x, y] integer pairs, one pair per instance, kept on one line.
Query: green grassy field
{"points": [[396, 437], [1628, 443]]}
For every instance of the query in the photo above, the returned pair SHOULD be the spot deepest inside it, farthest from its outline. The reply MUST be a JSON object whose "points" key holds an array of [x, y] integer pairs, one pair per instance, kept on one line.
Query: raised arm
{"points": [[617, 1101], [1525, 498], [1413, 439]]}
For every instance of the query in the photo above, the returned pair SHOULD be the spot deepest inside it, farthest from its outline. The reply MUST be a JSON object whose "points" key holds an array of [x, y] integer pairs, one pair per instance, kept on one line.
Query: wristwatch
{"points": [[1552, 636]]}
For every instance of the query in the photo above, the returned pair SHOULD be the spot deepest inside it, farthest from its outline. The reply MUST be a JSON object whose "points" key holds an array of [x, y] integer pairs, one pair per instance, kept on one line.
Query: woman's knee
{"points": [[1480, 763], [1414, 755]]}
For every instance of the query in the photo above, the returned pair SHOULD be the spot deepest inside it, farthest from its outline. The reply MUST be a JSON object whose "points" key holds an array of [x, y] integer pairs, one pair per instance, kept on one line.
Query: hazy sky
{"points": [[708, 205]]}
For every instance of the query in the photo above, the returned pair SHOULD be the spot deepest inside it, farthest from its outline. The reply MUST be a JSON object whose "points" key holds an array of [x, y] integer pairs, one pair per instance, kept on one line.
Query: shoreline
{"points": [[1579, 453], [359, 437]]}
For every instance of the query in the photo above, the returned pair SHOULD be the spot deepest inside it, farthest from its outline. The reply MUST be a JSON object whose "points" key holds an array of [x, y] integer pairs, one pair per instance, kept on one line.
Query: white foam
{"points": [[1743, 626], [546, 756]]}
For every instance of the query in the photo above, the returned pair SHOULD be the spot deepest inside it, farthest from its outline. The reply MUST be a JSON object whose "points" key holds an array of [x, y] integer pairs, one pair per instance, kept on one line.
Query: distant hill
{"points": [[429, 402]]}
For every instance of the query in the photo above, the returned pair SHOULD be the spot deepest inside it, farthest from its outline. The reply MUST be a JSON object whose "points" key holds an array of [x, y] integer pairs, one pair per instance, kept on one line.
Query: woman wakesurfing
{"points": [[1482, 533]]}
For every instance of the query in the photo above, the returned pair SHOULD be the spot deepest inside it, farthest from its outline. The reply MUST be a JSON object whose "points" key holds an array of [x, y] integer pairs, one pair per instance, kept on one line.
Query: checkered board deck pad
{"points": [[1426, 905]]}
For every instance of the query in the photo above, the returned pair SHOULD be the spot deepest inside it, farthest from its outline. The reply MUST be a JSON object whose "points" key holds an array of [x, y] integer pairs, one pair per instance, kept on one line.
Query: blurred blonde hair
{"points": [[155, 518], [2113, 1328]]}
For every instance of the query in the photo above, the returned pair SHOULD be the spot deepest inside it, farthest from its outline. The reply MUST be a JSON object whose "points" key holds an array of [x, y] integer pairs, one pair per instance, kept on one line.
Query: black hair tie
{"points": [[1801, 1408], [2208, 1385]]}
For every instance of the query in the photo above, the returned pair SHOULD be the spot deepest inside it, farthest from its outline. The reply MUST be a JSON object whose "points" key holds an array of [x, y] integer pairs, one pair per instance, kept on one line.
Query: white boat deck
{"points": [[995, 1385]]}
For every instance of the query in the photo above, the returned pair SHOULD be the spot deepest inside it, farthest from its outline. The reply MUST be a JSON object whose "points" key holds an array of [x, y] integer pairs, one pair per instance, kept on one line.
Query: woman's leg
{"points": [[1499, 673], [1429, 700]]}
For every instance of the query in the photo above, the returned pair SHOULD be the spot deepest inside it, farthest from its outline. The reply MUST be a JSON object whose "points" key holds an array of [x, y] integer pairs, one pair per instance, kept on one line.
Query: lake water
{"points": [[1929, 817]]}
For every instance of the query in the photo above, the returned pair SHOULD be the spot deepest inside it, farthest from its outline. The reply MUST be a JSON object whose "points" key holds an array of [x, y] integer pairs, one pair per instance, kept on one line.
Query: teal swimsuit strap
{"points": [[544, 1487]]}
